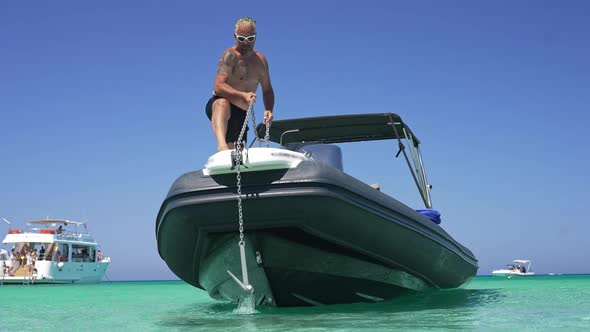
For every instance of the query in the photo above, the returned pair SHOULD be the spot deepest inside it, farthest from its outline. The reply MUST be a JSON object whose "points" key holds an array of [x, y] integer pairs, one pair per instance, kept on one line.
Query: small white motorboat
{"points": [[519, 268]]}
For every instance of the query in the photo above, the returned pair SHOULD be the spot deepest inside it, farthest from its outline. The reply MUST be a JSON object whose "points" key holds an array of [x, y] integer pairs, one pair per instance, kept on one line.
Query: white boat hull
{"points": [[51, 251], [60, 273], [511, 273]]}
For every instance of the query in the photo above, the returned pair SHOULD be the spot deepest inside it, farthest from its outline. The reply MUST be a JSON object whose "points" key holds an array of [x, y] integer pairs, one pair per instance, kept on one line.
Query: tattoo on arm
{"points": [[226, 63]]}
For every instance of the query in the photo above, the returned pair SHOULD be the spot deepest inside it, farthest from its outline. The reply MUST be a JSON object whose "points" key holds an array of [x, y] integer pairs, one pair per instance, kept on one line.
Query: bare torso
{"points": [[245, 71]]}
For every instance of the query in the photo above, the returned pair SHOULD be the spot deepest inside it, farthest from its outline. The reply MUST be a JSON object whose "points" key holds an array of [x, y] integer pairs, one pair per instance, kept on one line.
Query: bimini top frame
{"points": [[354, 128]]}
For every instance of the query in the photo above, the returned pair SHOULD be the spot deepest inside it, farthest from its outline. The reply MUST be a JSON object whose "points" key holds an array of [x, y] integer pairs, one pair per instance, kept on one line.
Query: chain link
{"points": [[239, 157], [240, 215], [267, 134], [238, 161]]}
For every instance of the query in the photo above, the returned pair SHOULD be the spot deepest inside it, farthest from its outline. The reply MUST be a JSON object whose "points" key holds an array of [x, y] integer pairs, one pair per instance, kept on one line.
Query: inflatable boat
{"points": [[289, 226]]}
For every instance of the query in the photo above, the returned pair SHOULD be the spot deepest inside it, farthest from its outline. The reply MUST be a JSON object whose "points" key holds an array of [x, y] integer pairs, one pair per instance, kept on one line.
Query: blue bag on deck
{"points": [[431, 214]]}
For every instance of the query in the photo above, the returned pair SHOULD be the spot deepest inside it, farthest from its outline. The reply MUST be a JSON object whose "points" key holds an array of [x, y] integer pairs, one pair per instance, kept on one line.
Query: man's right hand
{"points": [[250, 96]]}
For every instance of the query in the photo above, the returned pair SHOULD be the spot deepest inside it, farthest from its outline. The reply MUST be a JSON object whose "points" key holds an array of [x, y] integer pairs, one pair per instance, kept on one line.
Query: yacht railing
{"points": [[65, 235], [75, 237]]}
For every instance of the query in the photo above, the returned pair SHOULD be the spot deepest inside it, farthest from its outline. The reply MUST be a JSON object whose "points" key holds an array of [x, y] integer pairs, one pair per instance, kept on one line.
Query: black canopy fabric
{"points": [[337, 129]]}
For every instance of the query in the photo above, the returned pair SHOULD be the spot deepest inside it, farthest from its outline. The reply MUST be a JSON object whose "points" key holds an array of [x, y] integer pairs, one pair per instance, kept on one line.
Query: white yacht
{"points": [[51, 251], [519, 268]]}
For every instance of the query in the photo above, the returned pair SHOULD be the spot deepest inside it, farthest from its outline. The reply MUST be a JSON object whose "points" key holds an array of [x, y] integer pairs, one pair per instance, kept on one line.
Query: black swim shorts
{"points": [[235, 123]]}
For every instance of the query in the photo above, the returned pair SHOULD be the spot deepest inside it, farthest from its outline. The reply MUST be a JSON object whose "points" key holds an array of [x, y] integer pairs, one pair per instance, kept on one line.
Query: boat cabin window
{"points": [[58, 252], [82, 253]]}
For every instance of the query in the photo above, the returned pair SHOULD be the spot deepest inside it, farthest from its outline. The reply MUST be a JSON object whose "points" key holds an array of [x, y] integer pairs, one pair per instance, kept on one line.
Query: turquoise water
{"points": [[546, 303]]}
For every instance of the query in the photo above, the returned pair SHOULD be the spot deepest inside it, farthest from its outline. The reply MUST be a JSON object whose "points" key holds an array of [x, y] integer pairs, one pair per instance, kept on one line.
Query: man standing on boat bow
{"points": [[240, 70]]}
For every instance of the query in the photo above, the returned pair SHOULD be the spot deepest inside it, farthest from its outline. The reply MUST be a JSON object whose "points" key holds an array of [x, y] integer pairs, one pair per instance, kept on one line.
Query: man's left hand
{"points": [[268, 116]]}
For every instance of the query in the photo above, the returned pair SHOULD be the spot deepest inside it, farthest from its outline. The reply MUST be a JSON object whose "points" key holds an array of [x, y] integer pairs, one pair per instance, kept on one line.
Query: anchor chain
{"points": [[267, 134], [238, 161], [266, 138], [245, 284]]}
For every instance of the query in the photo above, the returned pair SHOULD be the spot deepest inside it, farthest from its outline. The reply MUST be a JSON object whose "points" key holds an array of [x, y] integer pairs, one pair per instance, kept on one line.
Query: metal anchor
{"points": [[246, 284]]}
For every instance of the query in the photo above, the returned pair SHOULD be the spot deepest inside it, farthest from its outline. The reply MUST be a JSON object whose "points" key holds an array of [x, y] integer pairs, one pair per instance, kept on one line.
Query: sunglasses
{"points": [[243, 39]]}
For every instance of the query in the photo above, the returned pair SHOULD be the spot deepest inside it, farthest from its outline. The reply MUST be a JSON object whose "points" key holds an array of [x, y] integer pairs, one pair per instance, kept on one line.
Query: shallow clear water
{"points": [[545, 303]]}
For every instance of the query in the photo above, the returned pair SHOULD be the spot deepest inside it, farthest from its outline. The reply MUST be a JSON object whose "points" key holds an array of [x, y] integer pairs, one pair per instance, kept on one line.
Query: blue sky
{"points": [[102, 107]]}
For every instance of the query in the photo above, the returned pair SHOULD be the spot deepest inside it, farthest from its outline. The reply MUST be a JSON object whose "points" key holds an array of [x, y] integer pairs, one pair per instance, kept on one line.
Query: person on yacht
{"points": [[29, 261], [4, 268], [57, 256], [33, 275]]}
